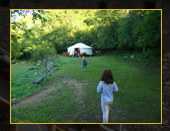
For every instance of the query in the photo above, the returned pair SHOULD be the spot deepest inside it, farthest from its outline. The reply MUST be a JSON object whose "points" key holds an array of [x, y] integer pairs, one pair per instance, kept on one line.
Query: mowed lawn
{"points": [[69, 95]]}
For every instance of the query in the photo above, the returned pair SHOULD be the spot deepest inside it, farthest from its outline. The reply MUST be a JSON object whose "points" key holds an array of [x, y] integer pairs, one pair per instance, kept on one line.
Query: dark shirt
{"points": [[84, 63]]}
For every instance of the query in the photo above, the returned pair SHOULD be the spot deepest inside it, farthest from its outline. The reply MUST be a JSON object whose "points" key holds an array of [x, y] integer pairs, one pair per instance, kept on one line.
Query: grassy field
{"points": [[69, 95]]}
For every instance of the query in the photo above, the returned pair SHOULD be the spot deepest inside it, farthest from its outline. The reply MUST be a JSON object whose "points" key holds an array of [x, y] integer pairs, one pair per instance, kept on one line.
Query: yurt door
{"points": [[77, 51]]}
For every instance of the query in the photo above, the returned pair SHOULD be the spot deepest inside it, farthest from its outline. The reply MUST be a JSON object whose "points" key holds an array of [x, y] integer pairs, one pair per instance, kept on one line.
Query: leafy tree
{"points": [[37, 33]]}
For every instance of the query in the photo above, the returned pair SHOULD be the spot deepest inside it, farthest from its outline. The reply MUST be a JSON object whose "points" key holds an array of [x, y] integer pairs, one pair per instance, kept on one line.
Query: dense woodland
{"points": [[39, 33]]}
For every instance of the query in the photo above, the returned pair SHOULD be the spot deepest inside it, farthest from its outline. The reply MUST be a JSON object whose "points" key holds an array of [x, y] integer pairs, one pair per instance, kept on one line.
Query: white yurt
{"points": [[83, 48]]}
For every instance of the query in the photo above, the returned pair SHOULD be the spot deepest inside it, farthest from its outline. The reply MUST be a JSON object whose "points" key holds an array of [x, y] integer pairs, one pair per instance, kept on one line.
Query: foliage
{"points": [[38, 32]]}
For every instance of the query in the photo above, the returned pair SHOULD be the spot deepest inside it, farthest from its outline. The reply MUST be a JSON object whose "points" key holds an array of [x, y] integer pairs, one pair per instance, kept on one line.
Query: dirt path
{"points": [[78, 97], [79, 93], [45, 93], [42, 94]]}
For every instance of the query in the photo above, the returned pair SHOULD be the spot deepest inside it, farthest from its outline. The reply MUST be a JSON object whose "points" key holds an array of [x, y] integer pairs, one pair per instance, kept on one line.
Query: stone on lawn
{"points": [[132, 56], [13, 62], [33, 68], [39, 62], [13, 100], [125, 57], [39, 79], [49, 66]]}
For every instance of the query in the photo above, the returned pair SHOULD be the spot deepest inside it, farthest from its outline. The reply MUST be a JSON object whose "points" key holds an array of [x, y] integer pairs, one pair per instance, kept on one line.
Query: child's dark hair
{"points": [[107, 76]]}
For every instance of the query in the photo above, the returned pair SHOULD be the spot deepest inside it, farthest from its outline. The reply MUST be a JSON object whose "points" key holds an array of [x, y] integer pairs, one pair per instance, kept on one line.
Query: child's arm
{"points": [[115, 88], [99, 87]]}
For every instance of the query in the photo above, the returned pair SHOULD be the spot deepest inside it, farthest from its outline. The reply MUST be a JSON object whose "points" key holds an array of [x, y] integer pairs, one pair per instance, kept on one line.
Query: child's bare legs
{"points": [[105, 110]]}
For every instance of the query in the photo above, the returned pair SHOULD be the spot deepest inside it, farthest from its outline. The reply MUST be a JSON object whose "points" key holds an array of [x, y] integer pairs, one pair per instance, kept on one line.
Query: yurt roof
{"points": [[80, 45]]}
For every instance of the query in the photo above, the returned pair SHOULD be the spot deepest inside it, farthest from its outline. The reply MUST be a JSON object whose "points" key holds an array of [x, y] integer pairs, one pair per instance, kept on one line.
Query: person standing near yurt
{"points": [[74, 53], [79, 52], [84, 64]]}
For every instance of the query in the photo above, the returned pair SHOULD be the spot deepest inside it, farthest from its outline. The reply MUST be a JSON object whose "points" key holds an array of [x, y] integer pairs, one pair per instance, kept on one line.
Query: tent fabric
{"points": [[79, 45], [83, 48]]}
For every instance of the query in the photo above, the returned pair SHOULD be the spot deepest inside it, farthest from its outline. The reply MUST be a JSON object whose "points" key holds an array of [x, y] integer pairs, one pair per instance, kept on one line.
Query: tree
{"points": [[37, 33]]}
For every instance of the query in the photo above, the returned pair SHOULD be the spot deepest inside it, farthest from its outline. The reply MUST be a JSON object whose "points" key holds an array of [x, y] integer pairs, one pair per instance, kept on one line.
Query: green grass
{"points": [[22, 80], [138, 99]]}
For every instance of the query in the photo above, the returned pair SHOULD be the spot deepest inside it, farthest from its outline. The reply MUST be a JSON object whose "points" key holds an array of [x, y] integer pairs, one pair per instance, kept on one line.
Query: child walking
{"points": [[84, 64], [106, 87]]}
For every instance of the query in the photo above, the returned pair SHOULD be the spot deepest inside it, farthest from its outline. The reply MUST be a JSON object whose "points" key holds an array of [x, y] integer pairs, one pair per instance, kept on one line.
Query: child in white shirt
{"points": [[106, 87]]}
